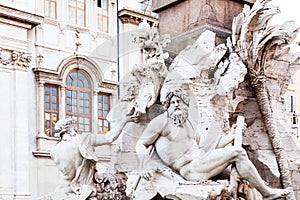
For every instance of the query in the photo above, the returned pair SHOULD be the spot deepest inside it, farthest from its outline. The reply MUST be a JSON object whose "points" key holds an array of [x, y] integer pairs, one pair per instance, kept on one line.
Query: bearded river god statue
{"points": [[185, 147], [195, 128]]}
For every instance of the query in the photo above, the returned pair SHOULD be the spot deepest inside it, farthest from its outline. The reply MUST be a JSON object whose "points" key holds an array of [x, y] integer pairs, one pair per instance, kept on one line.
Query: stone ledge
{"points": [[44, 145], [164, 4], [22, 18], [41, 154]]}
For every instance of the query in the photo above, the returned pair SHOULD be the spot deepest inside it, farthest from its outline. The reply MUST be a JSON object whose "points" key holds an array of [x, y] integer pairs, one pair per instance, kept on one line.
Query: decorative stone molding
{"points": [[15, 58], [128, 16], [39, 59], [109, 85], [19, 18], [44, 144], [41, 154], [161, 5], [46, 75]]}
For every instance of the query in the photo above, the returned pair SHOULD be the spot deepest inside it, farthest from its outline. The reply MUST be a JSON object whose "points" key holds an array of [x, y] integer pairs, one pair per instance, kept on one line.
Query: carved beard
{"points": [[179, 116]]}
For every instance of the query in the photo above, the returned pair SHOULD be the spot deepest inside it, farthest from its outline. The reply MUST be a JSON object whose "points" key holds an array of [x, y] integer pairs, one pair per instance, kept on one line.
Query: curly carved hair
{"points": [[178, 93], [61, 126]]}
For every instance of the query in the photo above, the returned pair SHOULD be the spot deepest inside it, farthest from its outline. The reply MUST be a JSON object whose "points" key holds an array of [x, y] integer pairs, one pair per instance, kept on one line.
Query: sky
{"points": [[289, 11]]}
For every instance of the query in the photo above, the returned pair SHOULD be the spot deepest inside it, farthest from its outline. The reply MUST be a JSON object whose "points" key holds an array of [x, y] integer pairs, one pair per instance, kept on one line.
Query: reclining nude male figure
{"points": [[176, 142]]}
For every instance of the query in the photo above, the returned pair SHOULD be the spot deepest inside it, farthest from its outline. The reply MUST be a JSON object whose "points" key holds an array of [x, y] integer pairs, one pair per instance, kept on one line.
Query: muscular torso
{"points": [[67, 157], [176, 145]]}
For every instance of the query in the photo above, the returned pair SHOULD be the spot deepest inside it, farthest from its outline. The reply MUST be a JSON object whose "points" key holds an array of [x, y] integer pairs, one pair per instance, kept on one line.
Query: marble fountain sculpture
{"points": [[184, 126]]}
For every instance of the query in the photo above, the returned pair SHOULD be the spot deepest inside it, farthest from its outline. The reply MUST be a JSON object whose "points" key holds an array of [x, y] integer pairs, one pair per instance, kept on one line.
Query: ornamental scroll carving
{"points": [[15, 58]]}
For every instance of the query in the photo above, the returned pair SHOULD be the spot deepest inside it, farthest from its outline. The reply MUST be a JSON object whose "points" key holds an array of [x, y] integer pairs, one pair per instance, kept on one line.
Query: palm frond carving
{"points": [[258, 44]]}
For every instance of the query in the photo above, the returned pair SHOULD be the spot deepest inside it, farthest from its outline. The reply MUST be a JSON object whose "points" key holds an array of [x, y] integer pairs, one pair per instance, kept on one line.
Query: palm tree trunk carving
{"points": [[258, 44]]}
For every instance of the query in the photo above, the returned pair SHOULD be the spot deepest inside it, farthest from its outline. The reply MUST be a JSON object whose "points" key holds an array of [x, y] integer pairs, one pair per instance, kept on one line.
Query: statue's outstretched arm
{"points": [[112, 135]]}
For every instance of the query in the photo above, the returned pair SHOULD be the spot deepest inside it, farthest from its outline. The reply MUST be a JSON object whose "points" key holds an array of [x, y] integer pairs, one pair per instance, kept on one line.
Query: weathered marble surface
{"points": [[213, 78], [76, 160]]}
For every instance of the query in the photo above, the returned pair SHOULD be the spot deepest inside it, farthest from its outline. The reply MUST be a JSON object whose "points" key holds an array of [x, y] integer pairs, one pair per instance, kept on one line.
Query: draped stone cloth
{"points": [[76, 159]]}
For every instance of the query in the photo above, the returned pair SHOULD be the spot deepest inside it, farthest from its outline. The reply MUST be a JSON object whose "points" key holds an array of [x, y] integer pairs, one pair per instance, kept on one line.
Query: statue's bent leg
{"points": [[214, 162], [248, 171], [210, 164]]}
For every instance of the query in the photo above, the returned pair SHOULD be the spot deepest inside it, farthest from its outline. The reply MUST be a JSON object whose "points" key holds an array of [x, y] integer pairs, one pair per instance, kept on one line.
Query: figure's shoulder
{"points": [[162, 117], [159, 121]]}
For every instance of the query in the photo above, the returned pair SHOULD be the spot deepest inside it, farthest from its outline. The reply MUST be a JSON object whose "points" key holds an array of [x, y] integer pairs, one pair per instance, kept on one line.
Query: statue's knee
{"points": [[184, 171]]}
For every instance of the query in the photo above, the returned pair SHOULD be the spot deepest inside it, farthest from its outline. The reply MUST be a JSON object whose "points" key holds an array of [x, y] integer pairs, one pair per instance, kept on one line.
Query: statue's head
{"points": [[234, 75], [65, 126], [150, 48], [180, 93], [177, 105]]}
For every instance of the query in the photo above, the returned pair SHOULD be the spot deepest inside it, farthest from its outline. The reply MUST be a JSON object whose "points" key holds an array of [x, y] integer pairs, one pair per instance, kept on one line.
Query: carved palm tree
{"points": [[257, 44]]}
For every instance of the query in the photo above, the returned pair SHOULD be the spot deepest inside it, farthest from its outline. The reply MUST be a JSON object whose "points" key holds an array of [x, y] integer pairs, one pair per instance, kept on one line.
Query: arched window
{"points": [[80, 93], [78, 99]]}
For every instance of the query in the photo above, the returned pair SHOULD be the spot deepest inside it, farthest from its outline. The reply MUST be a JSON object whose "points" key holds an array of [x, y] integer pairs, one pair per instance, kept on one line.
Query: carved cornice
{"points": [[15, 58], [46, 75], [129, 16], [108, 85], [19, 18], [159, 5]]}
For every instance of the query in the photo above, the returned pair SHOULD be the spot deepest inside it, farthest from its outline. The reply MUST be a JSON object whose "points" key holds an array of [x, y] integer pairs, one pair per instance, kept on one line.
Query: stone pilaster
{"points": [[7, 137], [21, 137], [41, 121], [62, 102]]}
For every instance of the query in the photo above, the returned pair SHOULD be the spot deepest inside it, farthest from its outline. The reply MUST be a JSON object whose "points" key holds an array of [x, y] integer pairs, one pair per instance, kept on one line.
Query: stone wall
{"points": [[185, 20], [180, 16]]}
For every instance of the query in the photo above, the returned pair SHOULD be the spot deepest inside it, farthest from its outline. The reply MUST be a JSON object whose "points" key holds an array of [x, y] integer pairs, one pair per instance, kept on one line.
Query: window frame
{"points": [[77, 10], [291, 102], [103, 116], [103, 16], [48, 2], [51, 111], [77, 114], [58, 78], [146, 5]]}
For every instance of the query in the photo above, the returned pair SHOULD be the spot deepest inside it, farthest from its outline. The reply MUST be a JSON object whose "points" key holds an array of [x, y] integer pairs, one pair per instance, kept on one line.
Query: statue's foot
{"points": [[278, 193]]}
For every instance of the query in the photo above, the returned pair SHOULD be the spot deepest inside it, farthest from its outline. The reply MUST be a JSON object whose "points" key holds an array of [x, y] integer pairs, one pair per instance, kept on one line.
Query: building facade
{"points": [[292, 102], [58, 59]]}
